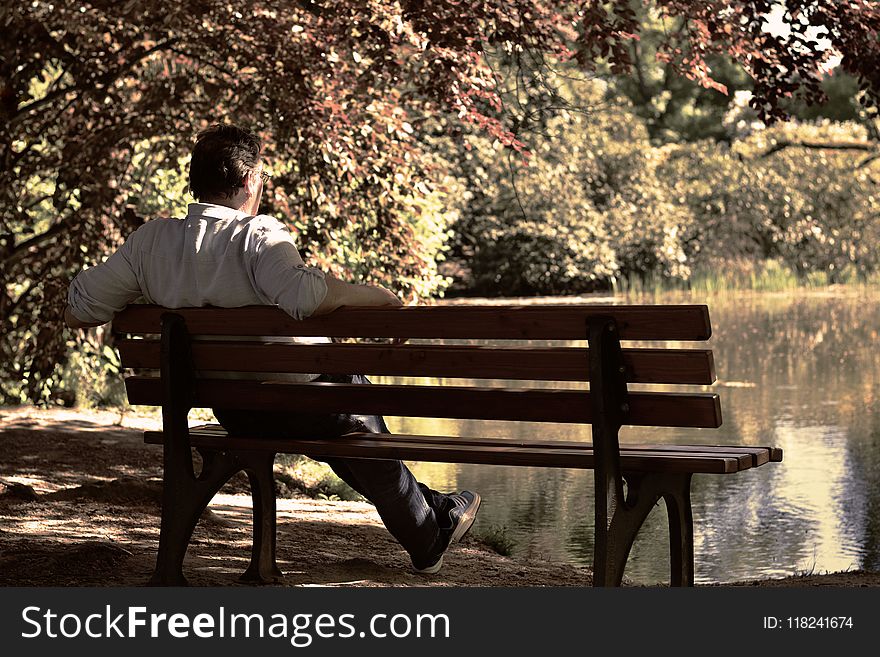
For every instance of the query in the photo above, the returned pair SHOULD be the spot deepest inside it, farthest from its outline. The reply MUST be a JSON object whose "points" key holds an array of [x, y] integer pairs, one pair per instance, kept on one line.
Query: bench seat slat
{"points": [[674, 366], [501, 322], [486, 451], [517, 404], [759, 454]]}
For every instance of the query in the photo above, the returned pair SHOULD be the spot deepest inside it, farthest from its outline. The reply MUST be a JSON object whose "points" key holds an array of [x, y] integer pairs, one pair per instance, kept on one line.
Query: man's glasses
{"points": [[265, 177]]}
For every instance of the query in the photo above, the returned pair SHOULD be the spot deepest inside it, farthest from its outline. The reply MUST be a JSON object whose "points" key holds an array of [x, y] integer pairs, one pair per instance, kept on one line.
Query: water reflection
{"points": [[799, 371]]}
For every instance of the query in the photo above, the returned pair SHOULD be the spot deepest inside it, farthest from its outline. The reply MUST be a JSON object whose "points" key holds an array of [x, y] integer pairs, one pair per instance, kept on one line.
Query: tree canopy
{"points": [[101, 99]]}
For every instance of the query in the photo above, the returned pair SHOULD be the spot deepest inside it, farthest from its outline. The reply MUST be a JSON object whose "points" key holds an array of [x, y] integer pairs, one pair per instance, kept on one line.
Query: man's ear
{"points": [[252, 182]]}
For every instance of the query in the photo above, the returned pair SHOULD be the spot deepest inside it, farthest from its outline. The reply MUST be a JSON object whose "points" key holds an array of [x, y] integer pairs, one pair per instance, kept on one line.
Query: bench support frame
{"points": [[186, 495], [623, 500]]}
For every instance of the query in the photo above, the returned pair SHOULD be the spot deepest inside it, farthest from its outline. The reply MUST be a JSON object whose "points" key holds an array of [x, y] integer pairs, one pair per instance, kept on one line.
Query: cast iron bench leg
{"points": [[644, 491], [184, 499], [259, 467], [681, 530]]}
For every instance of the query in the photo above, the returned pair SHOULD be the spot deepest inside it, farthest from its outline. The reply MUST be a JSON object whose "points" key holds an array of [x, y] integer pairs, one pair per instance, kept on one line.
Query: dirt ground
{"points": [[79, 506]]}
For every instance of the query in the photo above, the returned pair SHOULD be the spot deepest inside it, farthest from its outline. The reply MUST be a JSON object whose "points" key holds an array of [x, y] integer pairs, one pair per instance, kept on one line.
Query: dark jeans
{"points": [[408, 508]]}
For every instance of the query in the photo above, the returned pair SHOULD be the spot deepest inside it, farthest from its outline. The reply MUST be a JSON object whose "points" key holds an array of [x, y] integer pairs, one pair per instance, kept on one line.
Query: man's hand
{"points": [[390, 298], [340, 293]]}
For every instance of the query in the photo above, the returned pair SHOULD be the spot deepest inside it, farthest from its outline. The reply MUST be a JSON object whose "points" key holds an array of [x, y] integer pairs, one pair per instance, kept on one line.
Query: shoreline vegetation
{"points": [[732, 278], [765, 281], [768, 276]]}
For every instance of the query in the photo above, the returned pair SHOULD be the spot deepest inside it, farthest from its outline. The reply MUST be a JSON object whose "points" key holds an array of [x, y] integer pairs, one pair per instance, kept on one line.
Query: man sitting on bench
{"points": [[226, 254]]}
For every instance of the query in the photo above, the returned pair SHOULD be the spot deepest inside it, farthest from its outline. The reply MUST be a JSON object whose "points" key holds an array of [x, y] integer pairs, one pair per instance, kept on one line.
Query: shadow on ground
{"points": [[80, 504]]}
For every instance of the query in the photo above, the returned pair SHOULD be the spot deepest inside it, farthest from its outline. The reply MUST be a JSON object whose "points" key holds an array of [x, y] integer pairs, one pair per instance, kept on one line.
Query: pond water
{"points": [[799, 371]]}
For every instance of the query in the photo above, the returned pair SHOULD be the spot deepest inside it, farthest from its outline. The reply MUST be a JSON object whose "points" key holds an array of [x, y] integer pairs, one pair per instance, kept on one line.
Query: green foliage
{"points": [[498, 540], [842, 91], [673, 107], [91, 377], [589, 208], [299, 475], [813, 210], [599, 206]]}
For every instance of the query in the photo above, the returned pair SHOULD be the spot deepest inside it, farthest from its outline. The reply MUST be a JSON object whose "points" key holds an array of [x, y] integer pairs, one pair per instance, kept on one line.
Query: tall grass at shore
{"points": [[767, 276]]}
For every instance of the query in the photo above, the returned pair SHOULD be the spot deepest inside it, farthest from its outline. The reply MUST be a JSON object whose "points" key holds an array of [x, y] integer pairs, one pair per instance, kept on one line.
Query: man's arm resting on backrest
{"points": [[71, 320], [340, 293]]}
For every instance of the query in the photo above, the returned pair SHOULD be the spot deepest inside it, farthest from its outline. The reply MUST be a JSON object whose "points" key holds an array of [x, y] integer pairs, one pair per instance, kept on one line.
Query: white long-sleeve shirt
{"points": [[216, 256]]}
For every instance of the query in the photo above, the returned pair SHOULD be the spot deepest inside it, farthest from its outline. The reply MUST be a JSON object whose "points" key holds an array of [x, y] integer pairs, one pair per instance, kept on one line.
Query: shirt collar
{"points": [[213, 211]]}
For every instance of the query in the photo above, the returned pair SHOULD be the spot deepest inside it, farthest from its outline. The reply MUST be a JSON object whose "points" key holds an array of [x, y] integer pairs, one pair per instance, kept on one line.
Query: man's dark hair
{"points": [[222, 157]]}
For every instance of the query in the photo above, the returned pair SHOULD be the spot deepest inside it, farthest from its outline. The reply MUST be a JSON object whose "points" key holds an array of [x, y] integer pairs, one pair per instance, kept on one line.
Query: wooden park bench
{"points": [[174, 372]]}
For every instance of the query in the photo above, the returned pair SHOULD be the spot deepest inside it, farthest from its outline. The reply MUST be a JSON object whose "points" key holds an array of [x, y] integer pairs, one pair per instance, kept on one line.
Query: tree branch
{"points": [[35, 201], [640, 74], [202, 61], [868, 160], [18, 252], [107, 78], [865, 146]]}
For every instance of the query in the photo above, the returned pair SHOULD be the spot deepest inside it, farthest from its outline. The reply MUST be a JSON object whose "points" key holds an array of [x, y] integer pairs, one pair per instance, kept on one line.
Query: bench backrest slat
{"points": [[674, 366], [518, 404], [501, 322]]}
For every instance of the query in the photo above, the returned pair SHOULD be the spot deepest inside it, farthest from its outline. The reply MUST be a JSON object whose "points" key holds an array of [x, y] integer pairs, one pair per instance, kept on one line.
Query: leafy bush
{"points": [[589, 208], [497, 539], [814, 210], [300, 475]]}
